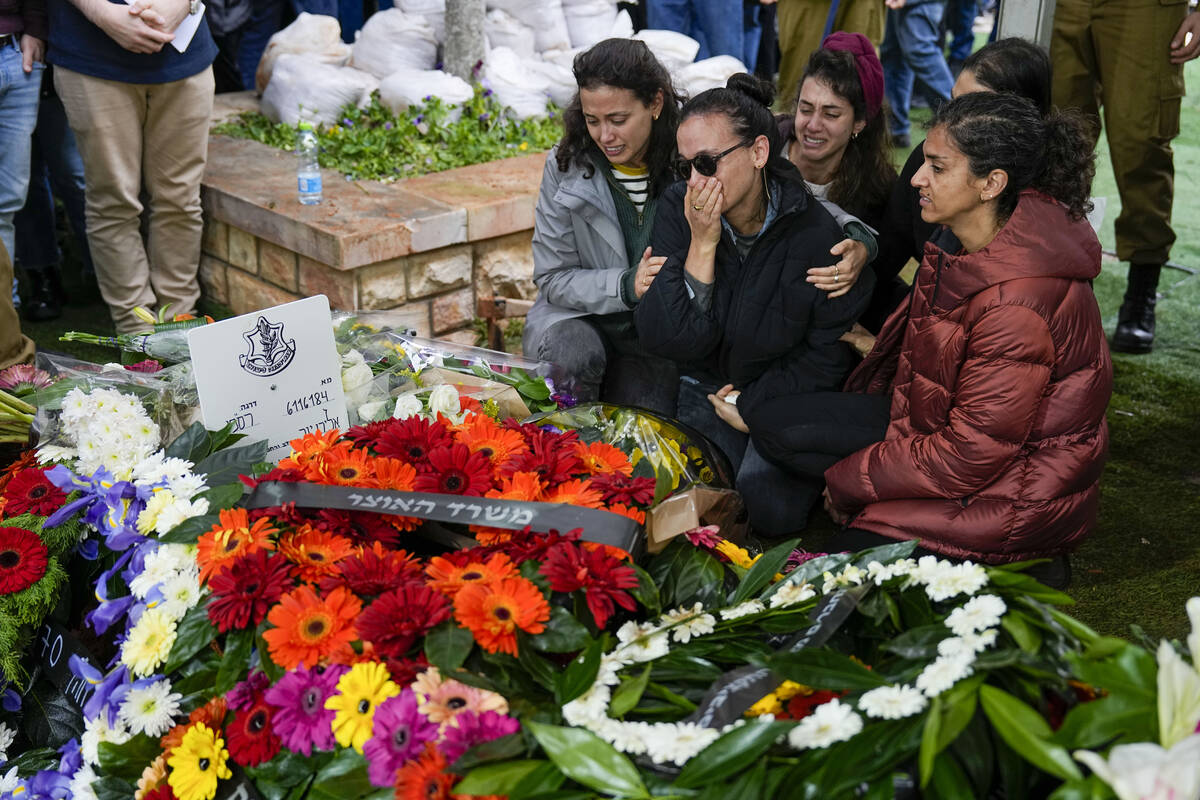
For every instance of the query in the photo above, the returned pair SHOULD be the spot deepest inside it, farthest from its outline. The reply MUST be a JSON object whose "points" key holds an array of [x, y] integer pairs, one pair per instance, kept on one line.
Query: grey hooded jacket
{"points": [[578, 251]]}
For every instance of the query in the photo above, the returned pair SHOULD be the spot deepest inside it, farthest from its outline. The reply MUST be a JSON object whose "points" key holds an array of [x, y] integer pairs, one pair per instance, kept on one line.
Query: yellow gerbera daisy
{"points": [[360, 691], [149, 642], [197, 763]]}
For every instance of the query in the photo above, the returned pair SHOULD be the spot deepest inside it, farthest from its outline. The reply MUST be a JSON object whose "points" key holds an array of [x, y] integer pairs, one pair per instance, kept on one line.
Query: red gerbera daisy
{"points": [[425, 778], [23, 559], [30, 492], [373, 571], [412, 440], [405, 670], [244, 592], [456, 470], [368, 434], [394, 621], [551, 455], [603, 579], [250, 736], [626, 491]]}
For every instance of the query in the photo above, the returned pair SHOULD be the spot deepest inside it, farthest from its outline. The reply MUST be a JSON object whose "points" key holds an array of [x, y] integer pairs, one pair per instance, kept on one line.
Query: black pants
{"points": [[807, 434]]}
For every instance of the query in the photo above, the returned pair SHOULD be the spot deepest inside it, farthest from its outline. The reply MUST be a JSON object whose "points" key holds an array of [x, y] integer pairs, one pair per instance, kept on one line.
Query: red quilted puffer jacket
{"points": [[1000, 376]]}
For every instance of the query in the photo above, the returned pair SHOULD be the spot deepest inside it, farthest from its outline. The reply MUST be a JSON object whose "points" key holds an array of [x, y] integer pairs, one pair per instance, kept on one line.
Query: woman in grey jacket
{"points": [[592, 226]]}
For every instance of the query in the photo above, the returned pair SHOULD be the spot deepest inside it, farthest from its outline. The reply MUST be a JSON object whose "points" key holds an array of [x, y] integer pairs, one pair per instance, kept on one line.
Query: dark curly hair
{"points": [[1052, 154], [865, 175], [746, 102], [1016, 66], [623, 64]]}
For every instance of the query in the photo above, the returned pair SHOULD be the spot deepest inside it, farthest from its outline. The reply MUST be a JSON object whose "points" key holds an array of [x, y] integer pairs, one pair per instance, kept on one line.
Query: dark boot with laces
{"points": [[45, 298], [1135, 322]]}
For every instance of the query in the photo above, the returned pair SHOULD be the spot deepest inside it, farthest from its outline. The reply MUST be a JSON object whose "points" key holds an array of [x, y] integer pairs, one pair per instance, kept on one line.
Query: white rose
{"points": [[444, 400], [407, 405], [369, 412]]}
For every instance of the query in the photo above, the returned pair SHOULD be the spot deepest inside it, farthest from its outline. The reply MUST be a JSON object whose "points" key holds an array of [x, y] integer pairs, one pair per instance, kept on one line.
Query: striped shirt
{"points": [[635, 183]]}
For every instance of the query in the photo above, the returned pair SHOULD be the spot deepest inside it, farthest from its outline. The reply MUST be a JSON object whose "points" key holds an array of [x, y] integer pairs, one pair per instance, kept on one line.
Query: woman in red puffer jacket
{"points": [[998, 370]]}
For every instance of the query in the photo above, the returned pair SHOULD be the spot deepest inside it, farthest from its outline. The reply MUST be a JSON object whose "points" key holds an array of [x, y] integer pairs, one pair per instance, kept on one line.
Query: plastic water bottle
{"points": [[308, 171]]}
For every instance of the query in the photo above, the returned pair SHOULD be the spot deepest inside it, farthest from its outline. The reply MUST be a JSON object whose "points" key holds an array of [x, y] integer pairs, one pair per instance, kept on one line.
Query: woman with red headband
{"points": [[838, 140]]}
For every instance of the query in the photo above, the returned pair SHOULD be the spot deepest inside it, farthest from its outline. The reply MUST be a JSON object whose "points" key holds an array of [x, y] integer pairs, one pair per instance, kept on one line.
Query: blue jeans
{"points": [[751, 36], [266, 19], [19, 95], [56, 170], [960, 23], [715, 24], [911, 53]]}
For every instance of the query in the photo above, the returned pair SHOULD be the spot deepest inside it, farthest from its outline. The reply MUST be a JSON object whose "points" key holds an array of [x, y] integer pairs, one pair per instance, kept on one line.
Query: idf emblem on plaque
{"points": [[269, 353]]}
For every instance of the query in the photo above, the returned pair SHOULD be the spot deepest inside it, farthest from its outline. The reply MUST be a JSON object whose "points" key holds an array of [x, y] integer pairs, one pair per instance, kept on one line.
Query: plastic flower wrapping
{"points": [[168, 633]]}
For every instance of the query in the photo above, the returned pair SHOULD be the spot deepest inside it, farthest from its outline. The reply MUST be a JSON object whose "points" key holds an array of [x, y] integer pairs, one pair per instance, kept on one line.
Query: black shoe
{"points": [[901, 141], [45, 296], [1135, 322]]}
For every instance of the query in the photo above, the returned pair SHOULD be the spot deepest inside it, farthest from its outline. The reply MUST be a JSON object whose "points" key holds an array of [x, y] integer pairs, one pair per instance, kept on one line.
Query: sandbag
{"points": [[522, 89], [503, 30], [710, 73], [407, 87], [433, 12], [544, 17], [392, 40], [316, 36], [623, 26], [564, 58], [559, 80], [303, 89], [672, 48], [590, 21]]}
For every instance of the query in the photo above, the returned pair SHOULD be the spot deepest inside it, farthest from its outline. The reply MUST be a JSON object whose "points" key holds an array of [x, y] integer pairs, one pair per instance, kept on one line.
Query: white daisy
{"points": [[680, 742], [943, 673], [791, 593], [742, 610], [96, 731], [150, 710], [7, 735], [590, 706], [180, 593], [849, 576], [968, 645], [10, 781], [828, 724], [977, 614], [892, 702], [881, 573], [950, 580], [696, 626], [82, 782]]}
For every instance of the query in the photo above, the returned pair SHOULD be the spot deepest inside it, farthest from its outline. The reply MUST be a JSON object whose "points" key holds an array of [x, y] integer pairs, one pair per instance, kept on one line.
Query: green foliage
{"points": [[373, 143], [590, 761]]}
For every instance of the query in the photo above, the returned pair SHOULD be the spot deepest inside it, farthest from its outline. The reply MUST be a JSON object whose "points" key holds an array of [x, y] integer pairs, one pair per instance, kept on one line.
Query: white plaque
{"points": [[273, 374]]}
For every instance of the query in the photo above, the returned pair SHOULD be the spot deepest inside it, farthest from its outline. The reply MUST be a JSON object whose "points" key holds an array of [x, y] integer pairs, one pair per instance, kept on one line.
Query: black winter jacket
{"points": [[768, 331]]}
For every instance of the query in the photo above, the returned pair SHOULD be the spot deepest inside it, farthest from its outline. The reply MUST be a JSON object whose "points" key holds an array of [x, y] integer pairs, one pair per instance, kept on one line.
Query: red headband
{"points": [[870, 71]]}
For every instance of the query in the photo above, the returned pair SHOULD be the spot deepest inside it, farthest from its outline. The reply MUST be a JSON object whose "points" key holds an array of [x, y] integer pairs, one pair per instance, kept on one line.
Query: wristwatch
{"points": [[193, 7]]}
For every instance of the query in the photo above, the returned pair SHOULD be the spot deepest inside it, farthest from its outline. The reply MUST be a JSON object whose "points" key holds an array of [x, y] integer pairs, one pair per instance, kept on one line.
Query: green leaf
{"points": [[537, 390], [224, 466], [505, 748], [947, 781], [1026, 732], [34, 760], [191, 445], [628, 694], [763, 571], [917, 644], [1129, 670], [127, 760], [188, 531], [224, 496], [344, 776], [589, 760], [563, 633], [1017, 582], [646, 592], [579, 675], [272, 670], [48, 718], [536, 667], [1113, 719], [885, 553], [447, 646], [664, 483], [193, 633], [686, 575], [1018, 625], [949, 714], [543, 782], [730, 754], [236, 660], [498, 778], [288, 768], [880, 748], [110, 787], [825, 669]]}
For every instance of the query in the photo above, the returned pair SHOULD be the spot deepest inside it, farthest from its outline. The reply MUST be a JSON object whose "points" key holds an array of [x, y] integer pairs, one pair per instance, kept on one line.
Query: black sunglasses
{"points": [[704, 163]]}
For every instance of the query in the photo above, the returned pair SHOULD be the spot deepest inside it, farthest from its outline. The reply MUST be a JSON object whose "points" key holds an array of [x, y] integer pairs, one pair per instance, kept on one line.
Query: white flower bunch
{"points": [[174, 488], [172, 570], [97, 730], [7, 735], [150, 710], [104, 428], [356, 377], [849, 576], [828, 724]]}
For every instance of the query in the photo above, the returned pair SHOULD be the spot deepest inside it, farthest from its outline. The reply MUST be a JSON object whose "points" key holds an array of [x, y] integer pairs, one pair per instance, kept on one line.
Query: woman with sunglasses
{"points": [[592, 225], [732, 304], [839, 141], [997, 373]]}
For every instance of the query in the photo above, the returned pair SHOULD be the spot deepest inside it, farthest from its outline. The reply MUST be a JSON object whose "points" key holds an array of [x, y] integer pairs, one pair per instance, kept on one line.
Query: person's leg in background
{"points": [[961, 26], [766, 63], [65, 166], [1141, 94], [266, 17], [19, 96], [752, 34], [578, 346], [15, 347], [919, 43], [176, 137], [897, 80], [801, 23], [673, 15]]}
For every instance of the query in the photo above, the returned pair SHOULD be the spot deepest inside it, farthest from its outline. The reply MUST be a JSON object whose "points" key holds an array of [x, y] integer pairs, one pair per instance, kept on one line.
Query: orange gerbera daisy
{"points": [[231, 537], [308, 628], [425, 777], [341, 465], [482, 434], [599, 457], [493, 612], [633, 512], [314, 551], [307, 447], [518, 486], [398, 476], [575, 493], [449, 577]]}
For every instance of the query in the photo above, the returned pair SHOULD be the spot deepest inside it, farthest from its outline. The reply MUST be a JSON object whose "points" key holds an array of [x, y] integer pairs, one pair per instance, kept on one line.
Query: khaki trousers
{"points": [[15, 347], [801, 28], [1112, 56], [134, 136]]}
